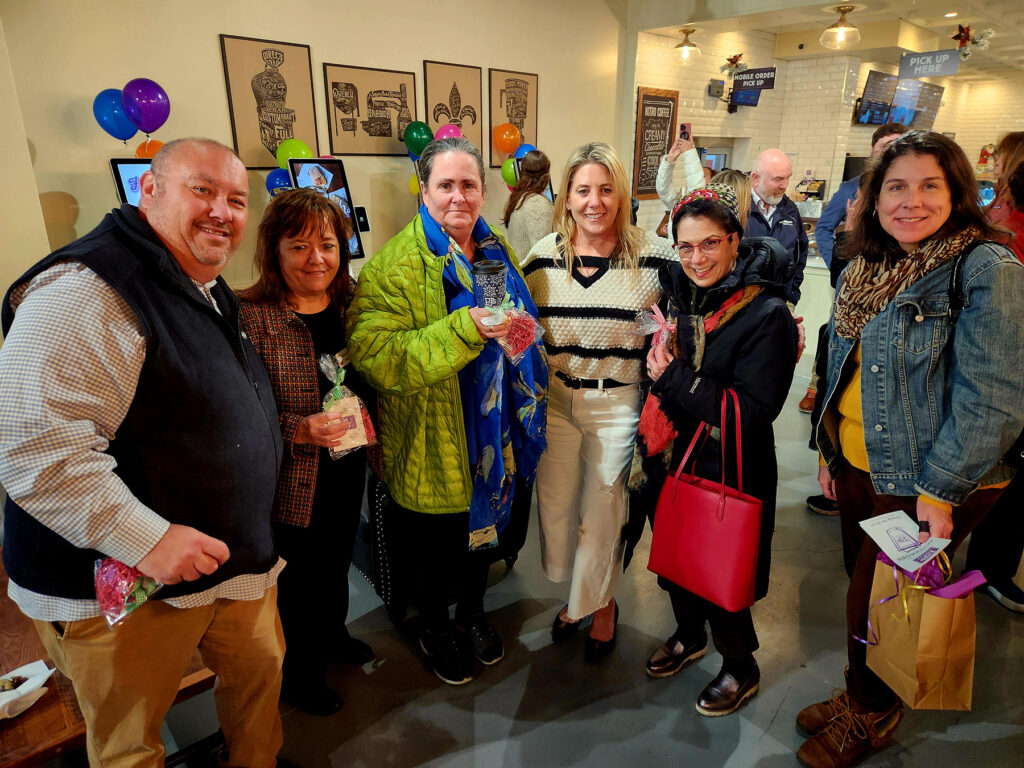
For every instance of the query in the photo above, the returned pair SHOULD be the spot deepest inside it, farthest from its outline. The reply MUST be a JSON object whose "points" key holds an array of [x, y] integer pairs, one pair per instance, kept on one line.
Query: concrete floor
{"points": [[543, 705]]}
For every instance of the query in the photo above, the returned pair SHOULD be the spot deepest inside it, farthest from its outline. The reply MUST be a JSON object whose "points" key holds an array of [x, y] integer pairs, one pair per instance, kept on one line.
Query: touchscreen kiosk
{"points": [[127, 172], [327, 176]]}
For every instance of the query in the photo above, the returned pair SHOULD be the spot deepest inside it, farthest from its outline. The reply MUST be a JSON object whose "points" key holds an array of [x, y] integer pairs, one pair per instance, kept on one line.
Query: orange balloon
{"points": [[506, 138], [148, 148]]}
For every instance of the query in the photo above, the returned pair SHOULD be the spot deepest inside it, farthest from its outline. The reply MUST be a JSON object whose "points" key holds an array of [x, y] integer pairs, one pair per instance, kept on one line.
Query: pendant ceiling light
{"points": [[842, 34], [687, 49]]}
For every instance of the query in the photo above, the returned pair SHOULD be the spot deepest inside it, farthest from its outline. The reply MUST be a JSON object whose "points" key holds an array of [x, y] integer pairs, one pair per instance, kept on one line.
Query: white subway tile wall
{"points": [[809, 114]]}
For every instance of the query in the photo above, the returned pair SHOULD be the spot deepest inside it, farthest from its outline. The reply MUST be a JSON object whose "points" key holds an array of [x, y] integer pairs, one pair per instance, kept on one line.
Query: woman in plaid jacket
{"points": [[294, 314]]}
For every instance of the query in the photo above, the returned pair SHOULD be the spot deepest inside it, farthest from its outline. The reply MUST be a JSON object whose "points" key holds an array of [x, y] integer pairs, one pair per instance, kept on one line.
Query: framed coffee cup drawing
{"points": [[513, 99], [270, 97]]}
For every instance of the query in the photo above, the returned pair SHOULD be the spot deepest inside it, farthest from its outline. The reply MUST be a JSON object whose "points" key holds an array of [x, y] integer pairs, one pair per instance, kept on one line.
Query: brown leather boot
{"points": [[813, 719], [850, 737]]}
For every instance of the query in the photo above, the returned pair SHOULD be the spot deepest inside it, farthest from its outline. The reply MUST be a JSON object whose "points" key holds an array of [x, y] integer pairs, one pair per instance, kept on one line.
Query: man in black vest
{"points": [[136, 422]]}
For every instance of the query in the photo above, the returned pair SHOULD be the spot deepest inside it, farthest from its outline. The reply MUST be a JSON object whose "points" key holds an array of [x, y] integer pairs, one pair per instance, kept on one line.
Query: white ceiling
{"points": [[1006, 17]]}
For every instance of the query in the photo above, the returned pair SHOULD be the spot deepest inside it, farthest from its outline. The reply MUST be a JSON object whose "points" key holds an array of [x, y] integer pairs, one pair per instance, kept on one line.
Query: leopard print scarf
{"points": [[869, 287]]}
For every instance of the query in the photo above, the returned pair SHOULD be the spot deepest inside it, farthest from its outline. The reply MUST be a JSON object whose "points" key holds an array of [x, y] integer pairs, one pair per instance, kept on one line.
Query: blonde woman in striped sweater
{"points": [[589, 279]]}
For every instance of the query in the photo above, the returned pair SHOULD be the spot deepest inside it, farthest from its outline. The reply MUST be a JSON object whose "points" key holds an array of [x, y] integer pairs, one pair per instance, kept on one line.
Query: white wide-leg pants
{"points": [[581, 489]]}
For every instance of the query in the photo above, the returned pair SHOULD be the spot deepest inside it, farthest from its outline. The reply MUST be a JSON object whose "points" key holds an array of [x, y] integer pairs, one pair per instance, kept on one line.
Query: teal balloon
{"points": [[417, 136], [290, 148], [508, 172]]}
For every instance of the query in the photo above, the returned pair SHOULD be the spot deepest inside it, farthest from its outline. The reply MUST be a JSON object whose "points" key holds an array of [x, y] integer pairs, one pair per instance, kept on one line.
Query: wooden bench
{"points": [[53, 725]]}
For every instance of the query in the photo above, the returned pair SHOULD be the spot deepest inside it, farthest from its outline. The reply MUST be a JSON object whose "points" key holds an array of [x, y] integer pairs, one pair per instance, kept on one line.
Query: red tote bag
{"points": [[706, 534]]}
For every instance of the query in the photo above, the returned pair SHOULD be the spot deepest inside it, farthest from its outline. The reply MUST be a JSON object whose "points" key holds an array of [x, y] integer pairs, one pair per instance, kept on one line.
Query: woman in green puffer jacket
{"points": [[461, 426]]}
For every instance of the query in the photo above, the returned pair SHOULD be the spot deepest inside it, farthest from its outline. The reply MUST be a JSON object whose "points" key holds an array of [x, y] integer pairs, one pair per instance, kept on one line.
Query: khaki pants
{"points": [[581, 489], [126, 678]]}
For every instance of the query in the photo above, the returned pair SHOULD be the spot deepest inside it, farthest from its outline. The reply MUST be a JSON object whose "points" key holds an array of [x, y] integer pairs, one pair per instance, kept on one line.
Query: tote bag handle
{"points": [[704, 430]]}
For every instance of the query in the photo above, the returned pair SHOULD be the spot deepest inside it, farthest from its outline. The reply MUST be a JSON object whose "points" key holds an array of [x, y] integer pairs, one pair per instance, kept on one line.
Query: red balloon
{"points": [[148, 148], [506, 138]]}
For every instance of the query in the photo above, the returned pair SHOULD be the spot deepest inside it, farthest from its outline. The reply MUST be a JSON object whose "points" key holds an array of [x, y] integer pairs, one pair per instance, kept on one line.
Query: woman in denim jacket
{"points": [[920, 406]]}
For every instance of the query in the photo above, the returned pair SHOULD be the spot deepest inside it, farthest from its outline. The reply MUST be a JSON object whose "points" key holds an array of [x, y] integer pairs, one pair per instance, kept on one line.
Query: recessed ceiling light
{"points": [[950, 15]]}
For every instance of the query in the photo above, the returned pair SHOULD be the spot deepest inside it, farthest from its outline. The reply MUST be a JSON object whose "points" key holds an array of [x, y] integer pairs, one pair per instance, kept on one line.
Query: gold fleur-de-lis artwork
{"points": [[454, 110]]}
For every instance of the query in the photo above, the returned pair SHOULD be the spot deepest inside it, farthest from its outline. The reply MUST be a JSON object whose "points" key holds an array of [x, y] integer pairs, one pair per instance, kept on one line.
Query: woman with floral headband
{"points": [[733, 331]]}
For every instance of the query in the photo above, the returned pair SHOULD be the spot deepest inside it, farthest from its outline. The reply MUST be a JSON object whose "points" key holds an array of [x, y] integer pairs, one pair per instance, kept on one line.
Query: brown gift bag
{"points": [[926, 655]]}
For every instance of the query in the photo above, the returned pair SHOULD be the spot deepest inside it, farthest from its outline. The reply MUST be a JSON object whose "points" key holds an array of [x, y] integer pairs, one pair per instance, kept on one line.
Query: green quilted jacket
{"points": [[406, 345]]}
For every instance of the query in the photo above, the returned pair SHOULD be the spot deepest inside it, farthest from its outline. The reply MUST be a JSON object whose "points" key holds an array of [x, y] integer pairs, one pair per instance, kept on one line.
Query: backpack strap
{"points": [[956, 280]]}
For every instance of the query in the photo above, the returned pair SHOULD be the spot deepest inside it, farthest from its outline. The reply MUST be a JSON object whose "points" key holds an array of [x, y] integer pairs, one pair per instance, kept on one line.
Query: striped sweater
{"points": [[590, 322]]}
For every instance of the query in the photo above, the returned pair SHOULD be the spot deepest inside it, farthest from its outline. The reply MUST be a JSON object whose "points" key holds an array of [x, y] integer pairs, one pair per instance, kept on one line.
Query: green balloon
{"points": [[417, 136], [508, 172], [292, 148]]}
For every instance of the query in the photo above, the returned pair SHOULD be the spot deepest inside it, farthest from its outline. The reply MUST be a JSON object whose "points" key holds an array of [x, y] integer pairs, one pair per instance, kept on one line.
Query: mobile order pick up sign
{"points": [[931, 64]]}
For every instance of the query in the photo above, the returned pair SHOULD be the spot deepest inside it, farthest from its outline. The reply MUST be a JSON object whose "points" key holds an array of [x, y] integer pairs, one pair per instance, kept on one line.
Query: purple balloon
{"points": [[145, 103]]}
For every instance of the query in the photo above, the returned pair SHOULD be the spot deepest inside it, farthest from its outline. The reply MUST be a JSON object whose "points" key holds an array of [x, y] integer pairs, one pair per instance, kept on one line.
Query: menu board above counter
{"points": [[655, 132]]}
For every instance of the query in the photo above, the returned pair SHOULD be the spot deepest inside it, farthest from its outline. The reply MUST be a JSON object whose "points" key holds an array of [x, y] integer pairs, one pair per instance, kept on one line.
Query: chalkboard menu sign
{"points": [[655, 131]]}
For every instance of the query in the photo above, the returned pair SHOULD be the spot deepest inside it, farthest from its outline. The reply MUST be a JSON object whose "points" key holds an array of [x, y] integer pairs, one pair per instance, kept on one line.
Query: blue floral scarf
{"points": [[505, 405]]}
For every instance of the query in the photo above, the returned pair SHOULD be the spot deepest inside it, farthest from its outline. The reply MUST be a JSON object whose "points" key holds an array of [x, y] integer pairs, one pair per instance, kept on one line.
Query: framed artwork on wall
{"points": [[368, 109], [453, 94], [513, 99], [270, 96]]}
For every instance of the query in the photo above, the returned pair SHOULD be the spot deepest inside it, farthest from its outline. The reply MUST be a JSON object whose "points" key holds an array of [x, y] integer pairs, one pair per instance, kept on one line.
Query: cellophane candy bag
{"points": [[524, 331], [120, 589], [652, 321], [342, 403]]}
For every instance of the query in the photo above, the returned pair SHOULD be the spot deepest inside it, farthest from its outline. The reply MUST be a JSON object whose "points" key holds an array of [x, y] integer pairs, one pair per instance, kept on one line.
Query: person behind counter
{"points": [[462, 428], [294, 313], [528, 212], [590, 277]]}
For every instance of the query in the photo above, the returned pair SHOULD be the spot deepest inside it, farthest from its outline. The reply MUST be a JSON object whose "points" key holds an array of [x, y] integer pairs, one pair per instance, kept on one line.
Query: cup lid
{"points": [[488, 267]]}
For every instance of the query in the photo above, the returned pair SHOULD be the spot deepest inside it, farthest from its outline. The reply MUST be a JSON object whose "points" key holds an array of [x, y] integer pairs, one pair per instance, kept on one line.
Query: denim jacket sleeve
{"points": [[986, 398], [831, 217]]}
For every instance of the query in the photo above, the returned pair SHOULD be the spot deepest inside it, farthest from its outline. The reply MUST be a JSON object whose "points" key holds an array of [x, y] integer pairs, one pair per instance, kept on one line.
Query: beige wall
{"points": [[62, 54], [20, 218]]}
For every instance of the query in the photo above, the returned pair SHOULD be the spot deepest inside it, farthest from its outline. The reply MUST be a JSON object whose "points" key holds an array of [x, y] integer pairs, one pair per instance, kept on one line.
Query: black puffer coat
{"points": [[753, 353]]}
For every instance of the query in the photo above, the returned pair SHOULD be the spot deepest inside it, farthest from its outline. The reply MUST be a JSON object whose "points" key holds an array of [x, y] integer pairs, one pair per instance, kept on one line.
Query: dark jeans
{"points": [[312, 595], [997, 544], [733, 633], [858, 501]]}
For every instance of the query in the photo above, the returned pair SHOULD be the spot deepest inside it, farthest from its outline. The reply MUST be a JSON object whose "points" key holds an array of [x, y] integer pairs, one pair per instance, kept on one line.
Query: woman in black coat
{"points": [[733, 330]]}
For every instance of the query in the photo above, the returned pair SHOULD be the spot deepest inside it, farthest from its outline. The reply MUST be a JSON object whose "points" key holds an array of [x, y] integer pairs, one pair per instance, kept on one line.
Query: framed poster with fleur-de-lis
{"points": [[453, 93], [513, 97]]}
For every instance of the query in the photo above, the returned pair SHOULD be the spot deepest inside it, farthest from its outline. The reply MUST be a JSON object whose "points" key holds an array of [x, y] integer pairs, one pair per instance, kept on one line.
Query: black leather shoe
{"points": [[314, 698], [595, 650], [673, 656], [563, 629], [725, 694]]}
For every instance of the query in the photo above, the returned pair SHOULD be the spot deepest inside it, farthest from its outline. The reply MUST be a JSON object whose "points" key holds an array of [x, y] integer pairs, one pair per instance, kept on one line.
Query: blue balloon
{"points": [[278, 180], [523, 149], [413, 157], [109, 113]]}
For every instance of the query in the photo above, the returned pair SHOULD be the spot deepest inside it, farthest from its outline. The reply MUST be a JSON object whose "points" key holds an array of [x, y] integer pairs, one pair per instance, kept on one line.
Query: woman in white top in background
{"points": [[589, 278], [695, 176], [528, 213]]}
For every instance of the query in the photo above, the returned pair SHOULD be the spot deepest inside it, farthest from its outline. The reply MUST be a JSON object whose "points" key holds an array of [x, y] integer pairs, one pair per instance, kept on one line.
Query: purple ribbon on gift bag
{"points": [[930, 577]]}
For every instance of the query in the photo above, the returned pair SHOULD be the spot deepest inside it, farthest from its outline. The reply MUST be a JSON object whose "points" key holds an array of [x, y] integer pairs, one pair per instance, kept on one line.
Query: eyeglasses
{"points": [[708, 247]]}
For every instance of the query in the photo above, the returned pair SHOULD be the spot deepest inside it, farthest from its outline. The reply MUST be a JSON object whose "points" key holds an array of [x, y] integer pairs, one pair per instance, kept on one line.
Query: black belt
{"points": [[574, 383]]}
